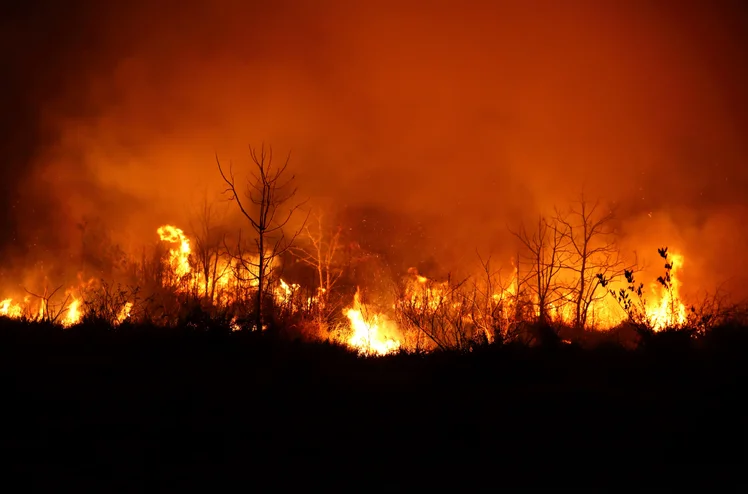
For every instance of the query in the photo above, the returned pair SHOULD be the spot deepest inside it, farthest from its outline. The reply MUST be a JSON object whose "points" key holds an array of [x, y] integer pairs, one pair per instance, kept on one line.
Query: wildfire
{"points": [[477, 310], [284, 293], [179, 258], [422, 292], [663, 307], [124, 313], [604, 312], [372, 334], [670, 310], [10, 309], [74, 314], [226, 278]]}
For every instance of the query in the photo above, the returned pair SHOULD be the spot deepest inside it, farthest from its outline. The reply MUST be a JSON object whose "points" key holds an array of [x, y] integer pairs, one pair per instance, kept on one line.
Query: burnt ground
{"points": [[151, 409]]}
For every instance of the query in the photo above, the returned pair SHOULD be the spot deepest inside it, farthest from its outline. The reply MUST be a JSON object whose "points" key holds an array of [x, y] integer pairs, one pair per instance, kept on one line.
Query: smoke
{"points": [[449, 120]]}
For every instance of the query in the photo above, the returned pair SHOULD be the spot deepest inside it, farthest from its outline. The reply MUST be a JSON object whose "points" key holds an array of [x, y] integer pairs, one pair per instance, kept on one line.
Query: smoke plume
{"points": [[433, 125]]}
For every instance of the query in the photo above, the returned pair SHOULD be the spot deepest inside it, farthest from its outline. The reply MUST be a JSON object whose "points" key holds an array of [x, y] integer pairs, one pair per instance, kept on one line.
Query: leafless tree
{"points": [[547, 254], [494, 301], [110, 304], [48, 312], [266, 195], [440, 311], [209, 238], [321, 254], [715, 309], [488, 306], [98, 251], [590, 239]]}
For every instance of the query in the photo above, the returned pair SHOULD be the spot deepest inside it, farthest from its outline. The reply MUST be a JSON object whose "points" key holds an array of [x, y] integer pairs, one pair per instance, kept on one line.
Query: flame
{"points": [[370, 334], [423, 292], [233, 280], [124, 313], [72, 311], [234, 325], [10, 309], [605, 313], [179, 259], [226, 282], [284, 293], [73, 315], [669, 312], [664, 308]]}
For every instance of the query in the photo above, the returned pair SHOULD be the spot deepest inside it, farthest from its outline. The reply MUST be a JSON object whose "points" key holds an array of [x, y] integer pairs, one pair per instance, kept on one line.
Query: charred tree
{"points": [[494, 302], [590, 238], [321, 253], [267, 194], [209, 240], [546, 255]]}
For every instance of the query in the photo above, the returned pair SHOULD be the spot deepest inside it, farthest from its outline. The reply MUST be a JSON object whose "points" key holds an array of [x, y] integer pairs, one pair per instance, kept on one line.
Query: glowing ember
{"points": [[234, 325]]}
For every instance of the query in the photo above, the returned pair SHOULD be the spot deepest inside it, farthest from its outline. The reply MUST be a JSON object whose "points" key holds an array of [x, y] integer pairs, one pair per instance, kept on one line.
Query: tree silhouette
{"points": [[546, 255], [593, 251], [322, 253], [267, 193], [209, 239]]}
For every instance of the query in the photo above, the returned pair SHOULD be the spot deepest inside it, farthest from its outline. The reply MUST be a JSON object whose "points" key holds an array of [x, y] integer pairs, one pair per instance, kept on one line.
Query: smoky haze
{"points": [[438, 123]]}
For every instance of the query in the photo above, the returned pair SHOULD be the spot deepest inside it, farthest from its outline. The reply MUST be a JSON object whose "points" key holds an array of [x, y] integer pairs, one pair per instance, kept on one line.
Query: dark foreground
{"points": [[152, 410]]}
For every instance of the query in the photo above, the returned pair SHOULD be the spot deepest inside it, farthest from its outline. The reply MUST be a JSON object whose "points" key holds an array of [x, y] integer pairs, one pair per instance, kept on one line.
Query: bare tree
{"points": [[441, 311], [546, 256], [321, 254], [267, 193], [488, 299], [110, 304], [499, 304], [209, 238], [590, 238]]}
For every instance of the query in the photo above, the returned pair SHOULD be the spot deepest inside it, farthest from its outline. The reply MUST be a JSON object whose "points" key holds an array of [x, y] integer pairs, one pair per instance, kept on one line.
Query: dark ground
{"points": [[158, 409]]}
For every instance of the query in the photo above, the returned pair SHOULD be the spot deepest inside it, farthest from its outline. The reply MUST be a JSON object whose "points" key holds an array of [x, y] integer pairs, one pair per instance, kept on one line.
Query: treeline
{"points": [[294, 272]]}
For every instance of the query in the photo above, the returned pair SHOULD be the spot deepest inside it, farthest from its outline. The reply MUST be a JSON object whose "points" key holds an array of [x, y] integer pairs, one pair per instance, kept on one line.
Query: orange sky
{"points": [[463, 116]]}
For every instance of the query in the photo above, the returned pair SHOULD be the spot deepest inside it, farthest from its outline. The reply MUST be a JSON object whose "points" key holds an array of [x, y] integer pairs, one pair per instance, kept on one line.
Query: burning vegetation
{"points": [[569, 275], [418, 286]]}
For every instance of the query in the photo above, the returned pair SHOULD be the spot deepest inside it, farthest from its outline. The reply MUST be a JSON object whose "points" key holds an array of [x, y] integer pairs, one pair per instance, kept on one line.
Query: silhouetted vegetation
{"points": [[138, 402], [200, 358]]}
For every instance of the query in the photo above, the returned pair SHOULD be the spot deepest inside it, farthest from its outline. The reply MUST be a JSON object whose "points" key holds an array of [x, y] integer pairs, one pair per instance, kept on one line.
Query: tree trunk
{"points": [[260, 283]]}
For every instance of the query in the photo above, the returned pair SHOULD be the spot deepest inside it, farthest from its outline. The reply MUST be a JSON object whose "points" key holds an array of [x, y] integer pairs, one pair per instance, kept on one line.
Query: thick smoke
{"points": [[439, 122]]}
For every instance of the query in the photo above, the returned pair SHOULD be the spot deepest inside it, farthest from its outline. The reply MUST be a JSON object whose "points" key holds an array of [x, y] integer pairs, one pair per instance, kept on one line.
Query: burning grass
{"points": [[424, 314], [570, 273]]}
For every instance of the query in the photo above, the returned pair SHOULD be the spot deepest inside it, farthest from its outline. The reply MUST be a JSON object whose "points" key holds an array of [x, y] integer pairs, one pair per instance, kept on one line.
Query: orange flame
{"points": [[371, 335], [669, 312], [374, 333], [179, 259], [10, 309]]}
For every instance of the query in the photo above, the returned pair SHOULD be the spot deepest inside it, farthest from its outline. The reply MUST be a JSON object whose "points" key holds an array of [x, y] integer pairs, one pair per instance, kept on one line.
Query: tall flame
{"points": [[669, 311], [73, 315], [179, 258]]}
